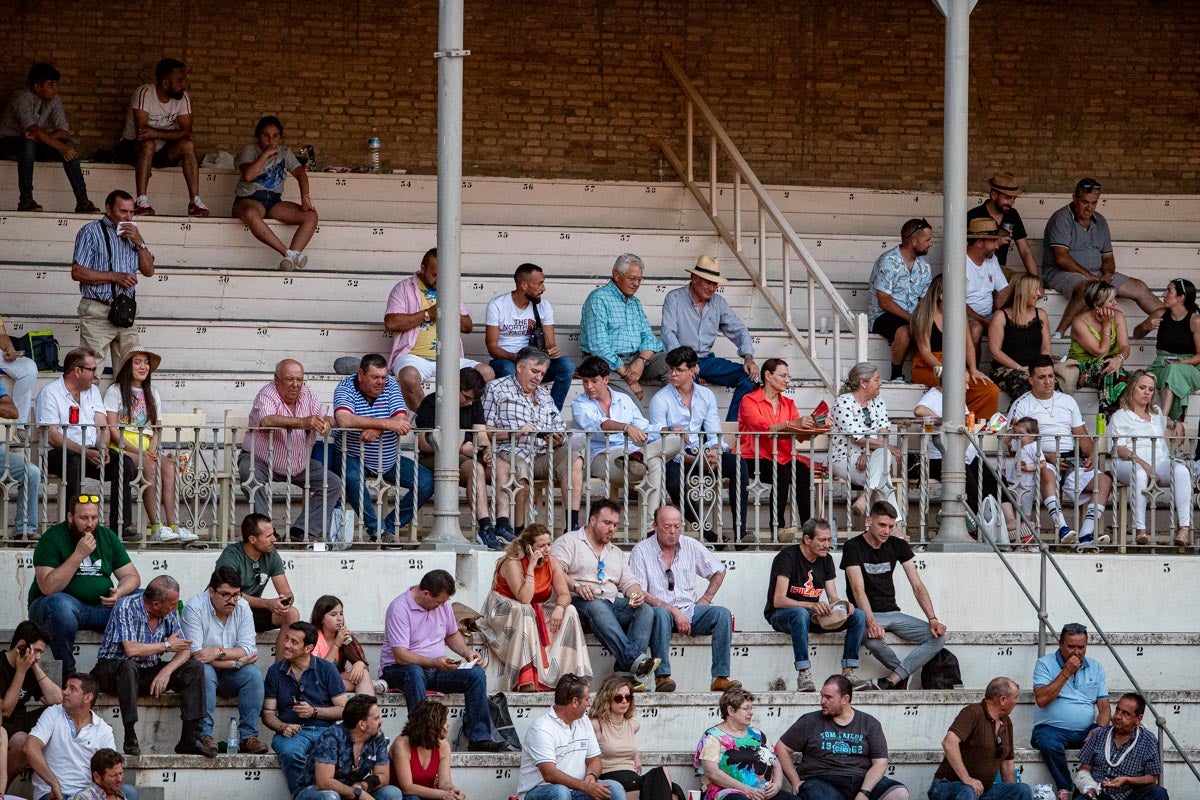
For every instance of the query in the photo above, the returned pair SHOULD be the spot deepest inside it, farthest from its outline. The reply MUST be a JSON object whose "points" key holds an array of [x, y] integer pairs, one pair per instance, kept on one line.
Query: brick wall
{"points": [[841, 93]]}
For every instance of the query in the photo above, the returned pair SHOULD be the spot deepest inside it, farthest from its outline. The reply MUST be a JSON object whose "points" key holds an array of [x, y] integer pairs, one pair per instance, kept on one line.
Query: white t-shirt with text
{"points": [[515, 323]]}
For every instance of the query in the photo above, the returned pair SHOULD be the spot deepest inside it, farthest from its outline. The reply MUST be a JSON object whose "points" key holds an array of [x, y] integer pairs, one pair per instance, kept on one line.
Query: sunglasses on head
{"points": [[88, 498]]}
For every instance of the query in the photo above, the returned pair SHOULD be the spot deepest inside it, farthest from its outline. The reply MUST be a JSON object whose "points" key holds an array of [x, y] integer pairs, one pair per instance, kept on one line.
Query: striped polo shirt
{"points": [[380, 455], [91, 252]]}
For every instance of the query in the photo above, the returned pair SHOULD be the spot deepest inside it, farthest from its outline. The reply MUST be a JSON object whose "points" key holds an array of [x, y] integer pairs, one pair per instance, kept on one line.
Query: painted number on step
{"points": [[185, 226], [647, 712], [455, 712], [1166, 566], [741, 652], [589, 187], [62, 223], [676, 651], [564, 236], [116, 713], [625, 237], [179, 384], [685, 239], [416, 563], [919, 564], [158, 564], [1140, 651], [201, 330], [1176, 709], [1004, 651], [503, 774], [1099, 567], [389, 712], [352, 283], [520, 713], [211, 177], [288, 281], [501, 234], [774, 711], [377, 231], [466, 184], [912, 711], [812, 651], [323, 332], [604, 652], [170, 777], [289, 564], [891, 770], [39, 276], [252, 775], [24, 562], [347, 563], [264, 331], [163, 278], [526, 187], [730, 564], [339, 181]]}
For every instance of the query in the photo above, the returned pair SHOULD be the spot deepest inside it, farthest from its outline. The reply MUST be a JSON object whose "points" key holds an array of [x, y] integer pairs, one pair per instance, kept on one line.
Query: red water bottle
{"points": [[73, 415]]}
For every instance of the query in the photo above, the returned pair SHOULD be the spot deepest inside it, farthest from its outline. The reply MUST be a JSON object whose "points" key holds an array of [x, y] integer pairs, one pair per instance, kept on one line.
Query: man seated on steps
{"points": [[350, 760], [108, 777], [869, 561], [800, 574], [411, 315], [22, 679], [257, 563], [1121, 761], [979, 745], [899, 278], [60, 747], [143, 628]]}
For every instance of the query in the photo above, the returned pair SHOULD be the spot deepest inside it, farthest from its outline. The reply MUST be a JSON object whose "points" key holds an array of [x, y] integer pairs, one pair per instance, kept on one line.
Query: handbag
{"points": [[122, 311], [537, 336], [503, 730]]}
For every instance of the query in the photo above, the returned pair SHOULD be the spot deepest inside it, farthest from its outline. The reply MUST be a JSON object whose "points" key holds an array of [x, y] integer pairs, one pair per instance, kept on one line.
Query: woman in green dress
{"points": [[1177, 366]]}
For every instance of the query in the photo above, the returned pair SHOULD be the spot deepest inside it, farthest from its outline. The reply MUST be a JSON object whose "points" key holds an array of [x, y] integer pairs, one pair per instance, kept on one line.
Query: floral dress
{"points": [[747, 759]]}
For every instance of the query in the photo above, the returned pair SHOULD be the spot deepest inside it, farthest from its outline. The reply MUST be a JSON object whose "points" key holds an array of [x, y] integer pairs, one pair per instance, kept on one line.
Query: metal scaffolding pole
{"points": [[953, 533], [446, 532]]}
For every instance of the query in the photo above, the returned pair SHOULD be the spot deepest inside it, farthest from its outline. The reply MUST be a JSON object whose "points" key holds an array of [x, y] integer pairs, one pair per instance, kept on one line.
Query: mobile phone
{"points": [[23, 649], [285, 601]]}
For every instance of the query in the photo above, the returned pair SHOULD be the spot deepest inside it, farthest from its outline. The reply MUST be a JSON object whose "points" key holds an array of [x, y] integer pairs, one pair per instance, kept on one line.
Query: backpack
{"points": [[941, 672]]}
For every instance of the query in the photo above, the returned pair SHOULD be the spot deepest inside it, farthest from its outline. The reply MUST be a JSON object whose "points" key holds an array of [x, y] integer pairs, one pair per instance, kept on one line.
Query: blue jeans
{"points": [[382, 793], [626, 631], [839, 787], [293, 753], [62, 616], [561, 371], [1053, 744], [723, 372], [246, 684], [955, 790], [414, 681], [714, 620], [796, 622], [554, 791], [910, 629], [405, 473], [29, 477], [26, 152]]}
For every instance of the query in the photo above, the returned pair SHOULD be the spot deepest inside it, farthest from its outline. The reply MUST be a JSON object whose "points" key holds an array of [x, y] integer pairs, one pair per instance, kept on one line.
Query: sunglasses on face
{"points": [[622, 698]]}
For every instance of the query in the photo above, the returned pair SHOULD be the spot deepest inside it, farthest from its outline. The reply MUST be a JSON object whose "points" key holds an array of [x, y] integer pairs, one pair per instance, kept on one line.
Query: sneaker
{"points": [[900, 379], [487, 537], [884, 685], [196, 208], [1066, 535], [286, 264], [18, 437], [142, 207], [388, 538], [162, 533], [253, 746], [380, 687], [644, 666], [185, 535], [487, 746], [804, 681], [640, 686], [28, 204], [505, 533], [297, 258], [666, 684], [1057, 336], [1103, 538], [857, 683], [86, 207]]}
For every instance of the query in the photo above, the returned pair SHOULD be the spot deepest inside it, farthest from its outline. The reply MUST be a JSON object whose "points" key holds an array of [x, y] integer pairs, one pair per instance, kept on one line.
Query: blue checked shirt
{"points": [[336, 747], [130, 622], [1139, 756], [91, 252], [613, 326], [891, 276]]}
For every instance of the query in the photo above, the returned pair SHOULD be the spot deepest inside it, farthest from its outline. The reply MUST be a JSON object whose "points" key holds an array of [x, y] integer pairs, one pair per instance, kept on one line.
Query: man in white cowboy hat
{"points": [[987, 288], [1000, 207], [693, 315]]}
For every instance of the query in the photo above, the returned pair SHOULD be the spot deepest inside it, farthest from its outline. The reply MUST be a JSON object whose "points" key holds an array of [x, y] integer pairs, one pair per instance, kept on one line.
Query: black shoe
{"points": [[295, 534], [131, 746], [196, 747], [130, 535], [487, 746], [883, 684]]}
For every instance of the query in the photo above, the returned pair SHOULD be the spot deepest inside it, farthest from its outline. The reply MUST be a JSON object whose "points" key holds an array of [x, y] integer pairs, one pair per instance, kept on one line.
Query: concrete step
{"points": [[524, 201], [485, 775]]}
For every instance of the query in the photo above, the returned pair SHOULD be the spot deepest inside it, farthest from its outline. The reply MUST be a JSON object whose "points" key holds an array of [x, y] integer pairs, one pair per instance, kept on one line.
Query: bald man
{"points": [[285, 421]]}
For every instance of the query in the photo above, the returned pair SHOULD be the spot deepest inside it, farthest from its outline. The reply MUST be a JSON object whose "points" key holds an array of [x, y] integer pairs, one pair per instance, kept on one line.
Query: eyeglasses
{"points": [[867, 417], [600, 570], [228, 595], [87, 498], [87, 369], [622, 698], [670, 579]]}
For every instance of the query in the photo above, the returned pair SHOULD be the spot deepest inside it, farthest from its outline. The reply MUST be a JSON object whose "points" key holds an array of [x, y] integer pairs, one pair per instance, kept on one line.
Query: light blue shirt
{"points": [[668, 411], [892, 276], [589, 416], [201, 625], [1075, 707], [684, 324]]}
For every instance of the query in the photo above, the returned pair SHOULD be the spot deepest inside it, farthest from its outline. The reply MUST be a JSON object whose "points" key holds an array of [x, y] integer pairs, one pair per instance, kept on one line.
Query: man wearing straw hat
{"points": [[987, 288], [693, 315], [1003, 191]]}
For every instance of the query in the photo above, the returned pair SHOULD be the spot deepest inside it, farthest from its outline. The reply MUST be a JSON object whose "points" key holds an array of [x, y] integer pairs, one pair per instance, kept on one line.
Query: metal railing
{"points": [[777, 294], [727, 500]]}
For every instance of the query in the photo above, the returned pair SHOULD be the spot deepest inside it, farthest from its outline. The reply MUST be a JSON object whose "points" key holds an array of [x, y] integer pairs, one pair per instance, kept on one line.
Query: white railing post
{"points": [[712, 175], [691, 158], [737, 209]]}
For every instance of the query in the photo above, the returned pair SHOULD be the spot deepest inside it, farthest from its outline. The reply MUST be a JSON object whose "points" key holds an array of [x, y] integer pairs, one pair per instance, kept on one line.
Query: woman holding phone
{"points": [[1176, 367], [338, 644], [532, 629]]}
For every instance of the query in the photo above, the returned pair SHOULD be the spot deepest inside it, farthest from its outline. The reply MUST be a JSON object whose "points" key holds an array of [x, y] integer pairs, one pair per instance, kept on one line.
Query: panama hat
{"points": [[708, 268], [155, 358]]}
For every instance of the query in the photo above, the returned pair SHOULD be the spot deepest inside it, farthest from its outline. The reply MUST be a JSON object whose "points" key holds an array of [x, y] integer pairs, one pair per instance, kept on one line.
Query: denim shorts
{"points": [[267, 199]]}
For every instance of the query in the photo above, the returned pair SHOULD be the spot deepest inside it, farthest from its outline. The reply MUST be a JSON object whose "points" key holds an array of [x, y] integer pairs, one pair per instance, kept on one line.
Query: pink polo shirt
{"points": [[409, 626]]}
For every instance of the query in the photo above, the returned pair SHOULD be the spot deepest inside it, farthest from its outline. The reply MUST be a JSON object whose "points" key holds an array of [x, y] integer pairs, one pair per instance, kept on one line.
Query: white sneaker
{"points": [[185, 535], [286, 264], [381, 687], [162, 533], [1056, 336], [298, 258]]}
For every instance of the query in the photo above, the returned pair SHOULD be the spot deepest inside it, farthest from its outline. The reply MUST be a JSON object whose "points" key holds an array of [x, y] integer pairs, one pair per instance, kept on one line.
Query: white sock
{"points": [[1051, 504], [1088, 528], [142, 200], [197, 201]]}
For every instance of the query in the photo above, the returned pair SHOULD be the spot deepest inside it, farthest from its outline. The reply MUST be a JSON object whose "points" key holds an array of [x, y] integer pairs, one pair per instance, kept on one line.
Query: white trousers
{"points": [[877, 479], [1173, 473], [24, 373]]}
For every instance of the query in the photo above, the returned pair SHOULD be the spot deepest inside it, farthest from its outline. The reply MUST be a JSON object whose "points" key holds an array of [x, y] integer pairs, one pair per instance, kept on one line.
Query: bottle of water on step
{"points": [[374, 153], [231, 743]]}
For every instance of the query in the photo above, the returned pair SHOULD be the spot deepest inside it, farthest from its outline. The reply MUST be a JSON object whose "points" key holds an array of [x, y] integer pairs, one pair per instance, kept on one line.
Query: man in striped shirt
{"points": [[614, 327], [370, 401], [109, 256], [285, 421]]}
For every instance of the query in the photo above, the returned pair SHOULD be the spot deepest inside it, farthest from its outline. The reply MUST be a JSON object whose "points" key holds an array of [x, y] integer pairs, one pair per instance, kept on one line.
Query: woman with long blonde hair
{"points": [[1018, 333]]}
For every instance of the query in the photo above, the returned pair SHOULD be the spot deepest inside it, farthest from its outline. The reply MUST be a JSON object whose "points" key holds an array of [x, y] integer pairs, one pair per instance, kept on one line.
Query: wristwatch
{"points": [[358, 789], [237, 663], [425, 318]]}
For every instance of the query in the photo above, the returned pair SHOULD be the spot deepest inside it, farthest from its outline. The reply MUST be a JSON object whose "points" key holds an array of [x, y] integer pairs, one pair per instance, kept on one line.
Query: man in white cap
{"points": [[1003, 191], [693, 315]]}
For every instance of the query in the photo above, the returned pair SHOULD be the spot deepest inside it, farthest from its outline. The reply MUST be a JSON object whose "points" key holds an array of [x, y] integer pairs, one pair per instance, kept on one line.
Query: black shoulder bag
{"points": [[537, 337], [122, 311]]}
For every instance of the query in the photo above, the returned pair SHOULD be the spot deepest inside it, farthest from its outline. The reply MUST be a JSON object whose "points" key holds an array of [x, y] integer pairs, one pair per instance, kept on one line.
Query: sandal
{"points": [[527, 687], [1183, 538], [1142, 537]]}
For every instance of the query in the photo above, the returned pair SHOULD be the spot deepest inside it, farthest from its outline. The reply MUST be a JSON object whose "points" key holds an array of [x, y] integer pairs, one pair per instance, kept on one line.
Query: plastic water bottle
{"points": [[231, 743], [374, 153]]}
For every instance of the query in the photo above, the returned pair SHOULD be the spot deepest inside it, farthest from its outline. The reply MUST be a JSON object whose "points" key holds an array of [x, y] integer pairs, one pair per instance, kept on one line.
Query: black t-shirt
{"points": [[832, 749], [806, 579], [467, 417], [1011, 220], [877, 567], [29, 691]]}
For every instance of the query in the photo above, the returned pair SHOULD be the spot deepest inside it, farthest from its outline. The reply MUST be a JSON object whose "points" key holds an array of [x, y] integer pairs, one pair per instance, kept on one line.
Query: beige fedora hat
{"points": [[1006, 183], [708, 268]]}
